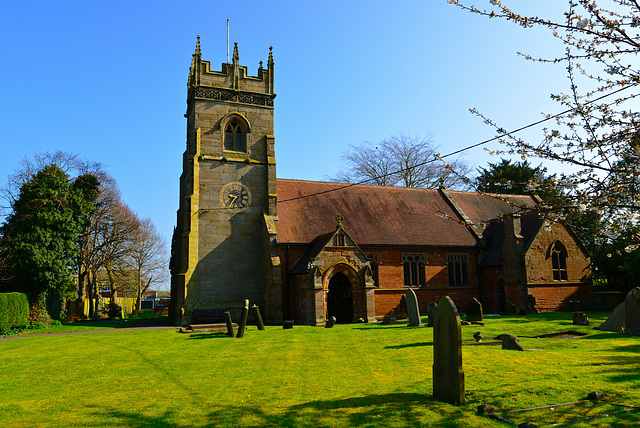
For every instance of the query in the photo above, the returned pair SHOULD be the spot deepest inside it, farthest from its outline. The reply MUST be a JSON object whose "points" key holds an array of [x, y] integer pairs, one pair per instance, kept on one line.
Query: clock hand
{"points": [[233, 200]]}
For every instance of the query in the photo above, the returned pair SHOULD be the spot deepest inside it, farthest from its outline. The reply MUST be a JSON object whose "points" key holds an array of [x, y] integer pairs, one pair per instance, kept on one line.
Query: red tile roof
{"points": [[373, 215], [481, 208]]}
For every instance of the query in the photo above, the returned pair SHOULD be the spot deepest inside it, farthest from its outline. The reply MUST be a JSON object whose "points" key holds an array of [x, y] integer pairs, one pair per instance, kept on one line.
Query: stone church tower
{"points": [[227, 192]]}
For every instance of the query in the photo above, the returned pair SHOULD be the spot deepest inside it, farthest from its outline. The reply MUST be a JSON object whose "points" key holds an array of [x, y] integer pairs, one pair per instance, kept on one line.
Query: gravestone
{"points": [[243, 319], [615, 322], [580, 318], [227, 319], [448, 377], [510, 308], [258, 316], [632, 312], [510, 343], [390, 318], [474, 310], [330, 322], [575, 305], [401, 310], [431, 313], [288, 324], [477, 336], [412, 309]]}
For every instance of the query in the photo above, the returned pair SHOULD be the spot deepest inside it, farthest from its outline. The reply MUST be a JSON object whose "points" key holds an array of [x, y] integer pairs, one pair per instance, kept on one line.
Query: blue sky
{"points": [[107, 80]]}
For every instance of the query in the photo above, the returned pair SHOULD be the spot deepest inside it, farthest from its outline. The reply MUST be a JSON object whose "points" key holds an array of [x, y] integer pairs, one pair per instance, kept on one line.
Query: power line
{"points": [[473, 146], [464, 149]]}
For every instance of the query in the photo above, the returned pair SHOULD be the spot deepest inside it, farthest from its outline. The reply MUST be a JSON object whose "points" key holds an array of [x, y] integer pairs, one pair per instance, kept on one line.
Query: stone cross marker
{"points": [[413, 311], [474, 310], [632, 312], [431, 313], [243, 319], [448, 377]]}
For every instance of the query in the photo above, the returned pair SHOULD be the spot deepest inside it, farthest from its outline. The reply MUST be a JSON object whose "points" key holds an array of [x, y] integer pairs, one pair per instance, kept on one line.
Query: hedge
{"points": [[14, 310]]}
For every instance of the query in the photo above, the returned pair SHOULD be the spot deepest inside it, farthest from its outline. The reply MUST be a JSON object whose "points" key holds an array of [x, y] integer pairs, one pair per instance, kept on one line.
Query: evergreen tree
{"points": [[41, 233]]}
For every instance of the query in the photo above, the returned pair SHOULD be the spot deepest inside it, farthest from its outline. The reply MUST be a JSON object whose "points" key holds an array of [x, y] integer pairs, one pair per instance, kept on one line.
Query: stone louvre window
{"points": [[234, 136], [559, 261], [414, 270], [457, 264]]}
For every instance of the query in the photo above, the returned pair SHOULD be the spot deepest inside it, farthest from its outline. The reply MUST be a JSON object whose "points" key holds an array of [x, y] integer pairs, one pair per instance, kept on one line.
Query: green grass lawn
{"points": [[351, 375]]}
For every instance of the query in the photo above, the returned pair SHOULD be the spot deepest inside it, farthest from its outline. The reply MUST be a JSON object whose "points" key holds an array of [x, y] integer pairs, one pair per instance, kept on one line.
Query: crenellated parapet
{"points": [[233, 83]]}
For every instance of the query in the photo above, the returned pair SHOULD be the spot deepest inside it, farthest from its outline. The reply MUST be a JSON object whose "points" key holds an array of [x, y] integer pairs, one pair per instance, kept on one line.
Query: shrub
{"points": [[14, 310], [114, 310]]}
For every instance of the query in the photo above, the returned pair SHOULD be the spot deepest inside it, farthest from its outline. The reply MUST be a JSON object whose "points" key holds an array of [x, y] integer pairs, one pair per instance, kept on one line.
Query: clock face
{"points": [[235, 195]]}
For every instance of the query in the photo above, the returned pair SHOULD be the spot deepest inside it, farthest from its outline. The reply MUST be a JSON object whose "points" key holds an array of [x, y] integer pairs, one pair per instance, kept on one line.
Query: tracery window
{"points": [[339, 240], [559, 261], [457, 264], [235, 136], [413, 270]]}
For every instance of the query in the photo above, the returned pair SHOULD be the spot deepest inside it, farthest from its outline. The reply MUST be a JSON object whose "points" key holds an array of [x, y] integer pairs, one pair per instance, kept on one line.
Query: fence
{"points": [[126, 303]]}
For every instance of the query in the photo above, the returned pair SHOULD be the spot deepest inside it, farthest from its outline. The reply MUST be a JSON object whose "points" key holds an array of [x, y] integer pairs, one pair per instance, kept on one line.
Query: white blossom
{"points": [[583, 23], [493, 2]]}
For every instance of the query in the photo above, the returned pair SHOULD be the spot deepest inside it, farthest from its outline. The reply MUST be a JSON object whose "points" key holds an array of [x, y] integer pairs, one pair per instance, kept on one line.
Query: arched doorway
{"points": [[339, 299]]}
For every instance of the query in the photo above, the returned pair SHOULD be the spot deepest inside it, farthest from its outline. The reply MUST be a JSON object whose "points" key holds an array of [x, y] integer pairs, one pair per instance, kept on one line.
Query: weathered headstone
{"points": [[510, 343], [258, 316], [448, 377], [510, 308], [243, 319], [431, 313], [413, 310], [575, 305], [288, 324], [485, 409], [477, 336], [632, 312], [615, 322], [474, 310], [390, 318], [401, 310], [330, 322], [229, 322], [580, 318]]}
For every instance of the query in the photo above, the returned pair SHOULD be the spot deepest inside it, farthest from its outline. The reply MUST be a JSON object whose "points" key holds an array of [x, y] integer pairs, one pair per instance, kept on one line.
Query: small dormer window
{"points": [[559, 261], [235, 136]]}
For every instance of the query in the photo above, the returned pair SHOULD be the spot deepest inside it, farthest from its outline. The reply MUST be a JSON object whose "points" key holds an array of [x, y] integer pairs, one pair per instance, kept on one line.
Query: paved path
{"points": [[153, 324]]}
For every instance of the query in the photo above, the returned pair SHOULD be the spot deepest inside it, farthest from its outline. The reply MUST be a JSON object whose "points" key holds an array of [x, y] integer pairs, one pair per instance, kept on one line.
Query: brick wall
{"points": [[387, 300], [553, 298]]}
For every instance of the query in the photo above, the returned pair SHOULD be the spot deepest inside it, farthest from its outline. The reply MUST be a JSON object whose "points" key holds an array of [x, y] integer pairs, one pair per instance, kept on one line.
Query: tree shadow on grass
{"points": [[398, 409], [410, 345]]}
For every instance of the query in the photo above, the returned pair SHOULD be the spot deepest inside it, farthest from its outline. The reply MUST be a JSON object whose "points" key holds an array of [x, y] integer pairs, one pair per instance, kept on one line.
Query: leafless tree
{"points": [[106, 241], [402, 161], [595, 131], [148, 259]]}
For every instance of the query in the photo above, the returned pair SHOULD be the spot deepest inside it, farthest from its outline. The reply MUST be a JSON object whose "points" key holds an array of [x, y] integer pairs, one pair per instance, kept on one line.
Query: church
{"points": [[307, 250]]}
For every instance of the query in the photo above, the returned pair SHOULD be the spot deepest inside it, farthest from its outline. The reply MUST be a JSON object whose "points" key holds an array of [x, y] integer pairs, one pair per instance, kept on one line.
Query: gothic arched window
{"points": [[559, 261], [235, 136]]}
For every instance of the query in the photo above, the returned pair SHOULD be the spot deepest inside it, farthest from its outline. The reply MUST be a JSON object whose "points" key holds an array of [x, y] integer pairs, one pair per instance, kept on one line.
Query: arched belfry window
{"points": [[559, 261], [235, 135]]}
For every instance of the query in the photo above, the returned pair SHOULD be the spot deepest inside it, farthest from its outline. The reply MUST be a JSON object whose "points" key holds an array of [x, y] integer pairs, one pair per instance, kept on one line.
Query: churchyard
{"points": [[349, 375]]}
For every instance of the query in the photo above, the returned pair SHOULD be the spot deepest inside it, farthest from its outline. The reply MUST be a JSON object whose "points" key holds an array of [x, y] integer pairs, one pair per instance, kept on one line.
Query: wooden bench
{"points": [[207, 316]]}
